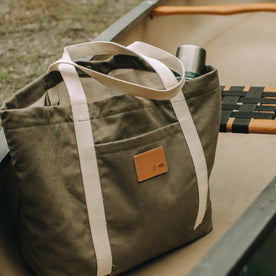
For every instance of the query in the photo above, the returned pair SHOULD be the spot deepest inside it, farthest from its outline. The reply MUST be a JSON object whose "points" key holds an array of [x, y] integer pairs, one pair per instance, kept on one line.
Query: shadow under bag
{"points": [[112, 158]]}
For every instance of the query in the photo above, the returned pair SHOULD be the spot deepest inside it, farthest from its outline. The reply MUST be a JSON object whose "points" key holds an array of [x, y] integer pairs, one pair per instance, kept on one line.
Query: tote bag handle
{"points": [[155, 57]]}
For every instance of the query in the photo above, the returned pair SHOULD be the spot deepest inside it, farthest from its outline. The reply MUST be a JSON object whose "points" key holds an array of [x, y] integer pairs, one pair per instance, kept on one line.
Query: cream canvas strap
{"points": [[97, 48], [89, 169], [185, 119]]}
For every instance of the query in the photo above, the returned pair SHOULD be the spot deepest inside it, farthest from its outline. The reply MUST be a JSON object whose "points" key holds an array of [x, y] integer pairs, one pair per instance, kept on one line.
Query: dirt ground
{"points": [[34, 32]]}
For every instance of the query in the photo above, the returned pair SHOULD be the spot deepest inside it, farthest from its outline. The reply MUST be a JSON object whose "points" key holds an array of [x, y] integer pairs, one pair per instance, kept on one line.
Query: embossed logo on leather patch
{"points": [[150, 164]]}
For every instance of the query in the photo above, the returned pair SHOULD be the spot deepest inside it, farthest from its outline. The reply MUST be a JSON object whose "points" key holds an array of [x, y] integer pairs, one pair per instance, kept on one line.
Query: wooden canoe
{"points": [[240, 40]]}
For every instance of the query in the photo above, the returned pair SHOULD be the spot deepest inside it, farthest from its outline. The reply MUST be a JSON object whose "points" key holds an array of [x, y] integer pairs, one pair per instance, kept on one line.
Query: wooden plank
{"points": [[262, 126], [215, 9]]}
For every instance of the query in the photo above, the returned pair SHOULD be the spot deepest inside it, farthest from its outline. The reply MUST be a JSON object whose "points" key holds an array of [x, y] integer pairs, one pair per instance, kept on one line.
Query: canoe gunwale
{"points": [[128, 20], [4, 150], [234, 249]]}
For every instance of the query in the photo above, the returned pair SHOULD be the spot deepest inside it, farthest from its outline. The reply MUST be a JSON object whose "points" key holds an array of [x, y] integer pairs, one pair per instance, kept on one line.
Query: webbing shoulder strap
{"points": [[89, 170]]}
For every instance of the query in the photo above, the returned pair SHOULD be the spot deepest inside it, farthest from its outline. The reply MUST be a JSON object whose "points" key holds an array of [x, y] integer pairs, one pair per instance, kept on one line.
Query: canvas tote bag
{"points": [[112, 160]]}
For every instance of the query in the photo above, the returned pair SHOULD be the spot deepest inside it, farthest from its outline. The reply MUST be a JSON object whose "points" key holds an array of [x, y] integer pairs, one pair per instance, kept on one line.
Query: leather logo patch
{"points": [[150, 164]]}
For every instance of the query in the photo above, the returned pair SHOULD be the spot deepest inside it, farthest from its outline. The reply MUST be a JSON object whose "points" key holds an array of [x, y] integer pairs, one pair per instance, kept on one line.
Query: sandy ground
{"points": [[34, 32]]}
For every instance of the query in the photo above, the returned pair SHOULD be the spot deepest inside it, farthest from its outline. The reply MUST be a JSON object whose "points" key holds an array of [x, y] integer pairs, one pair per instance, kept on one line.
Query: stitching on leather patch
{"points": [[150, 164]]}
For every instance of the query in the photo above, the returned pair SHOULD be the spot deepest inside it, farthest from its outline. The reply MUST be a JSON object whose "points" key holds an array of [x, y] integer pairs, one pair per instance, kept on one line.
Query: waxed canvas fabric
{"points": [[144, 219]]}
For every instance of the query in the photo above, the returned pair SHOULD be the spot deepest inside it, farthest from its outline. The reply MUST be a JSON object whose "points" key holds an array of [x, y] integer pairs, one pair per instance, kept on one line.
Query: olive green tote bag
{"points": [[112, 158]]}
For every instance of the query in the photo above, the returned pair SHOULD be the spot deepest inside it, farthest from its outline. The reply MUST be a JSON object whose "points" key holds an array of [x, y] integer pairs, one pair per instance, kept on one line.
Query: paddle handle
{"points": [[215, 9]]}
